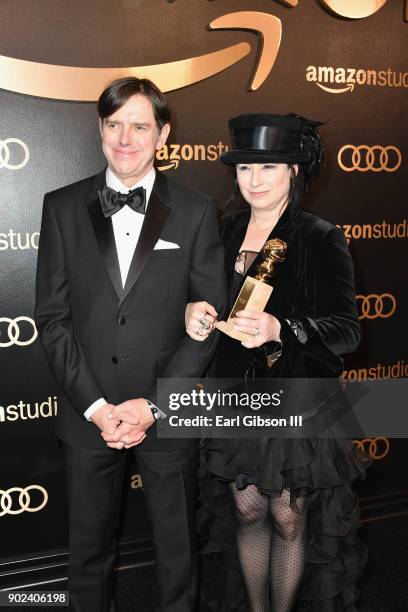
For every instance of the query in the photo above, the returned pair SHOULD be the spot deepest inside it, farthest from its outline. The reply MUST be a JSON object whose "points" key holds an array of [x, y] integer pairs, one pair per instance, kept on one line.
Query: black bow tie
{"points": [[112, 201]]}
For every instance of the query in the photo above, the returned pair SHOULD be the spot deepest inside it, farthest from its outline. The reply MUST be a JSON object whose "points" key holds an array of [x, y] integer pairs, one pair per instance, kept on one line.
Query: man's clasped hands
{"points": [[124, 425]]}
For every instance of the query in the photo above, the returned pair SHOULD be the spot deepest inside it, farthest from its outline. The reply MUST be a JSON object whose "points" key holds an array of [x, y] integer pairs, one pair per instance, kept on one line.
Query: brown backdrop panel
{"points": [[328, 68]]}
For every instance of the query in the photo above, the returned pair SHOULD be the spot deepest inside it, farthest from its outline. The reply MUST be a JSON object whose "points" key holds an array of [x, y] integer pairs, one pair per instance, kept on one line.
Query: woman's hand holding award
{"points": [[256, 291]]}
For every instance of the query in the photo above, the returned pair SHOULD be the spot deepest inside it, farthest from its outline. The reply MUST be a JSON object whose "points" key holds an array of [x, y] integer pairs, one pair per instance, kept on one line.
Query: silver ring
{"points": [[257, 331], [204, 323]]}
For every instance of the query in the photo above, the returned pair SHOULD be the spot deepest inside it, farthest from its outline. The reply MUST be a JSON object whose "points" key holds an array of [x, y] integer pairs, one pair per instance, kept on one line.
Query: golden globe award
{"points": [[255, 292]]}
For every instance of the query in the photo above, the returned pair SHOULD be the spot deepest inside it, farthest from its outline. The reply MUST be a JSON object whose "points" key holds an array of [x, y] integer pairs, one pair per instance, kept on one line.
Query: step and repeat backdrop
{"points": [[340, 61]]}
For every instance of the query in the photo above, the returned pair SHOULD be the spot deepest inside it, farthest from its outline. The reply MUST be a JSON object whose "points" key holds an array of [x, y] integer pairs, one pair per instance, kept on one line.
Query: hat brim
{"points": [[242, 156]]}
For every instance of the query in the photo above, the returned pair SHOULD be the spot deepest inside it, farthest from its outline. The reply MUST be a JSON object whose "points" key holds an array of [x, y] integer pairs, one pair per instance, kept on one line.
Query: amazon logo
{"points": [[85, 84], [170, 156], [343, 80]]}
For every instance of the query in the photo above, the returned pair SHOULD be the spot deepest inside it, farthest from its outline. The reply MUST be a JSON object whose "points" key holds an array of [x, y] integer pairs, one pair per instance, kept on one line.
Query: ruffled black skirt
{"points": [[321, 471]]}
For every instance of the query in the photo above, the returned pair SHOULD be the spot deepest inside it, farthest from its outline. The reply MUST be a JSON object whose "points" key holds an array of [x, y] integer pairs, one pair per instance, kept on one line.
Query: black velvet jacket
{"points": [[314, 285]]}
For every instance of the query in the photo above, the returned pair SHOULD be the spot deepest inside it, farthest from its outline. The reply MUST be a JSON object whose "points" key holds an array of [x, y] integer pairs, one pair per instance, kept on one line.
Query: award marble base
{"points": [[254, 295]]}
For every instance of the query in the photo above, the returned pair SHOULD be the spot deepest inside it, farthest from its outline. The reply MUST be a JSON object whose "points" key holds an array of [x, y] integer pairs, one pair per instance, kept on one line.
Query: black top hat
{"points": [[259, 138]]}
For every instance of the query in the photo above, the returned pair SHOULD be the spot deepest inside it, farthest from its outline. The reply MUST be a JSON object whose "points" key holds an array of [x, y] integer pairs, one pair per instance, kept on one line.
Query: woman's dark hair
{"points": [[119, 92], [307, 170], [299, 182]]}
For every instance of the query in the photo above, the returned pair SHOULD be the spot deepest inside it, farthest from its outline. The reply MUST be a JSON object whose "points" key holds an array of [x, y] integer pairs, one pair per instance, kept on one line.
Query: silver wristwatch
{"points": [[158, 415]]}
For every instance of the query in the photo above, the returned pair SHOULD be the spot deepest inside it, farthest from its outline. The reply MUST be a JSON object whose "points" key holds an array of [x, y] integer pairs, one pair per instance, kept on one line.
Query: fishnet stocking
{"points": [[254, 542], [287, 551], [271, 547]]}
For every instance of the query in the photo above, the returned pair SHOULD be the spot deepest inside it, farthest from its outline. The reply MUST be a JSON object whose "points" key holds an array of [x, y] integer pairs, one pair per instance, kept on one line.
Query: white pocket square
{"points": [[163, 244]]}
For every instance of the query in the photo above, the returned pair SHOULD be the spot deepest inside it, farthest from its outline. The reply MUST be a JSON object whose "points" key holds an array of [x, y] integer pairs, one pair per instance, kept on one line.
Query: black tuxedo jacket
{"points": [[104, 341]]}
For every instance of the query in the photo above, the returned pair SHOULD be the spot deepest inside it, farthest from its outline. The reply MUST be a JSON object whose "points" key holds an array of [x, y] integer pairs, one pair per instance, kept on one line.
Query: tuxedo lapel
{"points": [[155, 218], [104, 234]]}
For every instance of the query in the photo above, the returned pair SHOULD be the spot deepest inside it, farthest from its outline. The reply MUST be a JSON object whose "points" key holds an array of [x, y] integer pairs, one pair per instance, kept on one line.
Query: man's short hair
{"points": [[119, 91]]}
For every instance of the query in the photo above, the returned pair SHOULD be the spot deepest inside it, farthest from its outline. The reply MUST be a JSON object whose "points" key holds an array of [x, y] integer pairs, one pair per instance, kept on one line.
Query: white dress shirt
{"points": [[127, 225]]}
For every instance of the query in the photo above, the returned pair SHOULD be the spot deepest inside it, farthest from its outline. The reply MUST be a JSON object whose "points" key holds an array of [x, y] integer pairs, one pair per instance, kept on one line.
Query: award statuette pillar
{"points": [[255, 292]]}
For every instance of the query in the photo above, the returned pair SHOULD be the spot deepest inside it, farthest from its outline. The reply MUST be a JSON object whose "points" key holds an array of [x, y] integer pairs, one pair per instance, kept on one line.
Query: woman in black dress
{"points": [[294, 511]]}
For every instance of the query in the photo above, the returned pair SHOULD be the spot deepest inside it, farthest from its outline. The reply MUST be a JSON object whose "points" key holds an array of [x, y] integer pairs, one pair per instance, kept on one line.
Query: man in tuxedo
{"points": [[121, 254]]}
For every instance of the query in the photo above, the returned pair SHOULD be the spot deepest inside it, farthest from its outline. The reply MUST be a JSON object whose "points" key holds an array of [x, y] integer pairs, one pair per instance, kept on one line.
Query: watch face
{"points": [[155, 412]]}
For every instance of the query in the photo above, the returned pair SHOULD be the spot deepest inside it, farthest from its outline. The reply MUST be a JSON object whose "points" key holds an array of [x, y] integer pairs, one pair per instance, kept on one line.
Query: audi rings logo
{"points": [[14, 154], [376, 448], [17, 500], [375, 306], [364, 158], [20, 331]]}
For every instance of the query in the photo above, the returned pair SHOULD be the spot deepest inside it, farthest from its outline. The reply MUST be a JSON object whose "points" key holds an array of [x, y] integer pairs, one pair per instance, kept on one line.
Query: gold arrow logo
{"points": [[349, 87], [85, 84], [270, 29]]}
